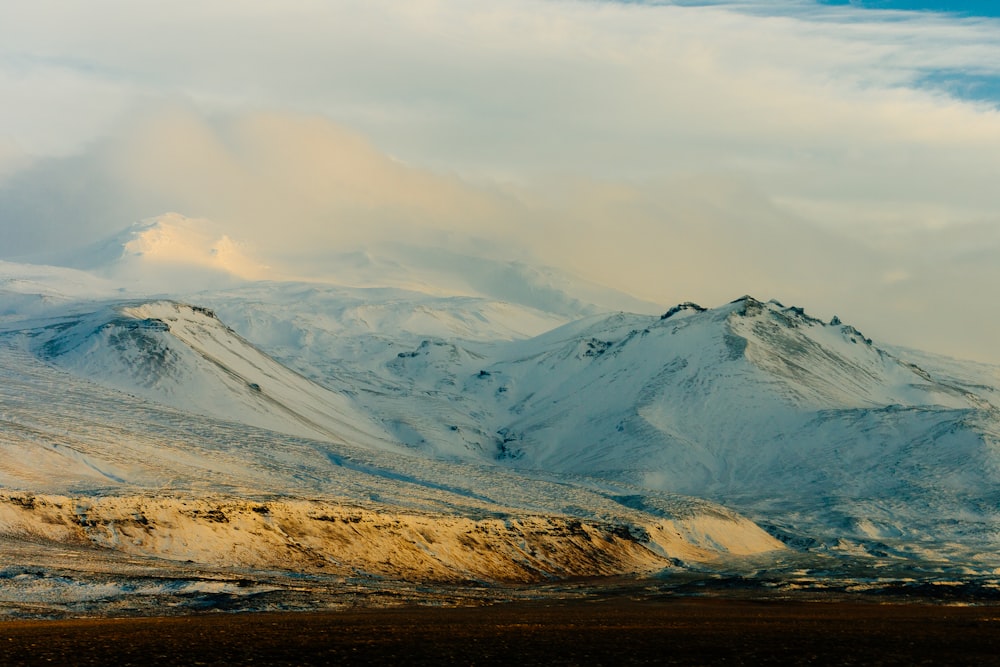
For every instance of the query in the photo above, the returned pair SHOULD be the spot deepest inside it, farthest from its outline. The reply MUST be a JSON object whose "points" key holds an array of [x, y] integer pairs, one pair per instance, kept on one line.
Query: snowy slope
{"points": [[416, 404], [101, 467], [29, 291], [764, 408], [727, 380], [183, 356], [344, 337], [804, 424]]}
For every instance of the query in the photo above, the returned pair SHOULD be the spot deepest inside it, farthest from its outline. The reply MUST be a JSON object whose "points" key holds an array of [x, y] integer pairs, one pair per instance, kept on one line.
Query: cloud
{"points": [[677, 152], [294, 183]]}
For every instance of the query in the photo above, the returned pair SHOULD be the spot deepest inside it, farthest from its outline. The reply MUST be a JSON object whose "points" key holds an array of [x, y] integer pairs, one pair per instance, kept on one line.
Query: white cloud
{"points": [[782, 149]]}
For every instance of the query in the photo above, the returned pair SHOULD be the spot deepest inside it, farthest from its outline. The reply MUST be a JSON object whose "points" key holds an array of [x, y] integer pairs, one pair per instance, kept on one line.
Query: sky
{"points": [[842, 156]]}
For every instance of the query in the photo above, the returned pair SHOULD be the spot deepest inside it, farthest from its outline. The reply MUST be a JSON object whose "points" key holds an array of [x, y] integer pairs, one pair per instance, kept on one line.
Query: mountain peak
{"points": [[748, 306], [175, 239], [172, 252], [681, 307]]}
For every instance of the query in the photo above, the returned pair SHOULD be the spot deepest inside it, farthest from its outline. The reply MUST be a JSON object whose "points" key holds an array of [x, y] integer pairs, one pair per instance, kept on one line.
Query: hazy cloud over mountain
{"points": [[836, 155]]}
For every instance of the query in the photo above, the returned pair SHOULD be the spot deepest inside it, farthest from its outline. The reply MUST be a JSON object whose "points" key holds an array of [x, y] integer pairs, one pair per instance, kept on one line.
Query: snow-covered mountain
{"points": [[462, 435], [807, 425], [170, 252], [85, 462], [766, 409], [183, 356], [175, 255]]}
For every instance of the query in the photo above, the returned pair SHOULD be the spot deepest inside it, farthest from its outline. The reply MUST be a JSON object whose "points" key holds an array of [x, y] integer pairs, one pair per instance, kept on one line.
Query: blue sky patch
{"points": [[962, 7], [964, 85]]}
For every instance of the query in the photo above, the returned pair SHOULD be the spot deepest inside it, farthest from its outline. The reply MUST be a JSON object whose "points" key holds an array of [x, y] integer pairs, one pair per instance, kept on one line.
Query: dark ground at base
{"points": [[593, 632]]}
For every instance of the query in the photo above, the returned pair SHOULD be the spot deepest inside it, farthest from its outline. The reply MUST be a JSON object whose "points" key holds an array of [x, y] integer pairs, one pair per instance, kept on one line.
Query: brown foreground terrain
{"points": [[596, 632]]}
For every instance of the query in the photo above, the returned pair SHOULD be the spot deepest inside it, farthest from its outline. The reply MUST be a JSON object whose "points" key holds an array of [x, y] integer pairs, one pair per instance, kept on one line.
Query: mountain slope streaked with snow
{"points": [[757, 406], [389, 429], [97, 466], [183, 356], [752, 404]]}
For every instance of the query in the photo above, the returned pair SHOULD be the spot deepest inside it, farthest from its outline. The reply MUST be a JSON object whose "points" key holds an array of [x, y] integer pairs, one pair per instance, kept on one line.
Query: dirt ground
{"points": [[593, 632]]}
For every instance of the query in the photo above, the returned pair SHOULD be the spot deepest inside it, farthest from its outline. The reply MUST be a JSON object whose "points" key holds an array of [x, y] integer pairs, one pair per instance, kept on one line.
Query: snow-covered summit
{"points": [[171, 253], [177, 256]]}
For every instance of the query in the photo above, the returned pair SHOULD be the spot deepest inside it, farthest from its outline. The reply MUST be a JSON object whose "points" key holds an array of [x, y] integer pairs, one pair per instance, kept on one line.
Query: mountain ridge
{"points": [[726, 403], [687, 440]]}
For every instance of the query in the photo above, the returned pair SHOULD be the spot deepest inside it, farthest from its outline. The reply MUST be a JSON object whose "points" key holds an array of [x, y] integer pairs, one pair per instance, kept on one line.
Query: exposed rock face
{"points": [[329, 538], [681, 307]]}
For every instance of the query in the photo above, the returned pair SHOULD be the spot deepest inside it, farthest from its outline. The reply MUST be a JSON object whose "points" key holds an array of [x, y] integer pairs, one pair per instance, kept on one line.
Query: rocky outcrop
{"points": [[329, 538]]}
